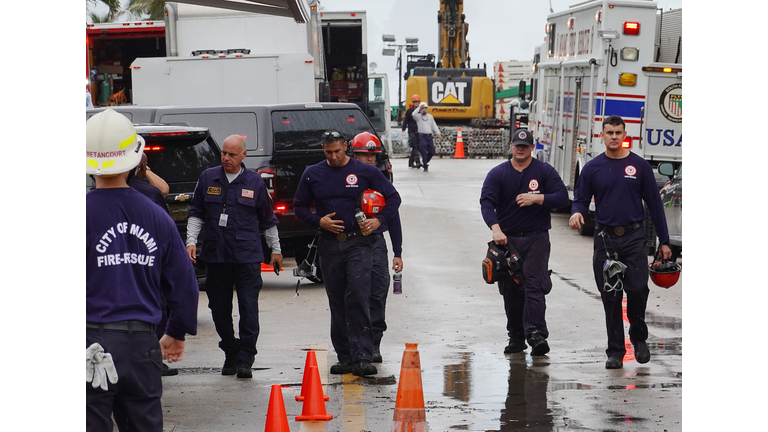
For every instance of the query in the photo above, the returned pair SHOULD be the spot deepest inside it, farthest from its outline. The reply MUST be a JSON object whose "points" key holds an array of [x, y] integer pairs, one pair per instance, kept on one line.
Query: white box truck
{"points": [[222, 56]]}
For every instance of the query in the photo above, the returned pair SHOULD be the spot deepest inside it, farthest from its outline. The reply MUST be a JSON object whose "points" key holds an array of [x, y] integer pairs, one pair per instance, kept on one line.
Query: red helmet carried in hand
{"points": [[366, 142], [664, 274], [372, 202]]}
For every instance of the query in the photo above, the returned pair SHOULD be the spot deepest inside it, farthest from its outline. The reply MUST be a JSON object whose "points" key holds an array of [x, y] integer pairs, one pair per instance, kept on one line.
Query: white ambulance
{"points": [[603, 58]]}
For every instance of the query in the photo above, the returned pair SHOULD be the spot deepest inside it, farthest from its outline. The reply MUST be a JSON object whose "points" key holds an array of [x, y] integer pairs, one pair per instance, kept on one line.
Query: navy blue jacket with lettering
{"points": [[249, 209], [504, 183], [338, 190], [131, 246], [620, 186]]}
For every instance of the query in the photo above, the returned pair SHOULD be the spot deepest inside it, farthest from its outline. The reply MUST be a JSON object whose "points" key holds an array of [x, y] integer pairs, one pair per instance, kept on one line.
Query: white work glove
{"points": [[99, 367]]}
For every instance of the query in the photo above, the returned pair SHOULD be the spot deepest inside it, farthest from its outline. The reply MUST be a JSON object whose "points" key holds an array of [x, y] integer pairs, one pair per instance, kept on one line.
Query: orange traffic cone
{"points": [[277, 419], [314, 405], [409, 405], [305, 383], [459, 153], [268, 267]]}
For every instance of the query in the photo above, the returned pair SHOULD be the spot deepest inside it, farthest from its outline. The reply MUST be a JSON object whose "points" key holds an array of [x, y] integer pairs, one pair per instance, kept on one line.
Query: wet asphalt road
{"points": [[459, 324]]}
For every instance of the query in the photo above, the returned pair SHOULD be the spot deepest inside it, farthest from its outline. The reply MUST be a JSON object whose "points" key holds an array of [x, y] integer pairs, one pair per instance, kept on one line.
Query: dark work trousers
{"points": [[526, 308], [346, 268], [246, 279], [379, 287], [427, 149], [413, 142], [135, 398], [631, 251]]}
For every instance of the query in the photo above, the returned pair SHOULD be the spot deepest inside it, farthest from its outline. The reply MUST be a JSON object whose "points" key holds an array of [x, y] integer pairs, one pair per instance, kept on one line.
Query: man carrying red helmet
{"points": [[365, 148], [345, 246]]}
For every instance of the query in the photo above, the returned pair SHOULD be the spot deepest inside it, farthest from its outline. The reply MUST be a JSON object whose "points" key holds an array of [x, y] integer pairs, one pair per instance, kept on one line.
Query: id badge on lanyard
{"points": [[223, 218]]}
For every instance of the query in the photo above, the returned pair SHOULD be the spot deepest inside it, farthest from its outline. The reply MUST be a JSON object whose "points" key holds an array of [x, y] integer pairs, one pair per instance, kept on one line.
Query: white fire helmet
{"points": [[111, 144]]}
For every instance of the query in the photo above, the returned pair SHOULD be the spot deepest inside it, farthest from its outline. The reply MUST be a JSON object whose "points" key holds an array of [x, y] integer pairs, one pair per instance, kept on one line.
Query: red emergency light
{"points": [[154, 148], [627, 143], [631, 28]]}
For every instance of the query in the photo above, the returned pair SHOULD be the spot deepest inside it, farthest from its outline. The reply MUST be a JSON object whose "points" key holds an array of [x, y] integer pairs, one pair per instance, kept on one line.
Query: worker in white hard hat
{"points": [[427, 127], [131, 245]]}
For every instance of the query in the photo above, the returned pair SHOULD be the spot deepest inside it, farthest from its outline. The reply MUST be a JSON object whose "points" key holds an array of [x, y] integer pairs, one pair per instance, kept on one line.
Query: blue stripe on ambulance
{"points": [[622, 108]]}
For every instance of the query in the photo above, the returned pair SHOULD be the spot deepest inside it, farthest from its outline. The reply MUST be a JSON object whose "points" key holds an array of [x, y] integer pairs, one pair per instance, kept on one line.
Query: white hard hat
{"points": [[423, 105], [111, 144]]}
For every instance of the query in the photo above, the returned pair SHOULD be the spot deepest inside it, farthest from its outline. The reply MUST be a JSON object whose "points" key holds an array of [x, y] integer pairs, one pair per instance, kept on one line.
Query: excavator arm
{"points": [[454, 49]]}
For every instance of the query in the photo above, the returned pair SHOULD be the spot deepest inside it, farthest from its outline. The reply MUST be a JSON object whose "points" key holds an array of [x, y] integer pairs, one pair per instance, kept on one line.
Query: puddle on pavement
{"points": [[473, 380]]}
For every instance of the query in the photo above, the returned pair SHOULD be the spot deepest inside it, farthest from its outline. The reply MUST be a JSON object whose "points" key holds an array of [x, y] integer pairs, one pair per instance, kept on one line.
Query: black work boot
{"points": [[244, 370], [341, 368], [539, 345], [514, 347], [376, 355], [614, 363], [642, 354], [230, 365], [363, 368]]}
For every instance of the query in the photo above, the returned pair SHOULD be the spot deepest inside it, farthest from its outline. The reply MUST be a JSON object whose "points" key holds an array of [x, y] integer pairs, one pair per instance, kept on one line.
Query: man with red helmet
{"points": [[620, 181], [345, 246], [413, 132], [365, 147]]}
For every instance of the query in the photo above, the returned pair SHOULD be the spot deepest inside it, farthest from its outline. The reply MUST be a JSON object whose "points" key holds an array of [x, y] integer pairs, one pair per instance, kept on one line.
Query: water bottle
{"points": [[397, 283], [360, 217]]}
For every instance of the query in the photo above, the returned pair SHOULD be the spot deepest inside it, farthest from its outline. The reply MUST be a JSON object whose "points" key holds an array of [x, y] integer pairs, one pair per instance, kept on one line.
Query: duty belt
{"points": [[124, 326], [524, 233], [619, 230], [342, 236]]}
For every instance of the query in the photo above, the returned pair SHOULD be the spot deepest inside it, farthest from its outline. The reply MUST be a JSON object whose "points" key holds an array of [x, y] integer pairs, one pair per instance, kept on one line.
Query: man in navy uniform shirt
{"points": [[345, 247], [232, 204], [365, 147], [515, 201], [134, 259], [620, 181], [409, 122]]}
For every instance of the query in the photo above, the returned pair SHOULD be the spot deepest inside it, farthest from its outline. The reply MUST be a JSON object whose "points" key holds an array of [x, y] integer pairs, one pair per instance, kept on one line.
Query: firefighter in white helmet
{"points": [[131, 245]]}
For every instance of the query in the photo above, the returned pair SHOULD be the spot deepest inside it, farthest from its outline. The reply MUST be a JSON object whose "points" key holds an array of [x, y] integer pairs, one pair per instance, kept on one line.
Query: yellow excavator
{"points": [[454, 92], [458, 95]]}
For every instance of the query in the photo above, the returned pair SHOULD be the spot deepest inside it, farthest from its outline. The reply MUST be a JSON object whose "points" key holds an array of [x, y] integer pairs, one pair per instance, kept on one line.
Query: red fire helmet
{"points": [[665, 274], [366, 142], [372, 202]]}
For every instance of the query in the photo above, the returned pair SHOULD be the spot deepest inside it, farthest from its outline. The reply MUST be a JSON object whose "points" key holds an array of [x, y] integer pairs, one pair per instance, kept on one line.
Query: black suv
{"points": [[178, 154], [281, 142]]}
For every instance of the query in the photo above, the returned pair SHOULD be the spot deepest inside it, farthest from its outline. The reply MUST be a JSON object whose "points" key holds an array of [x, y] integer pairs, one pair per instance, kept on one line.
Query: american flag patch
{"points": [[247, 193]]}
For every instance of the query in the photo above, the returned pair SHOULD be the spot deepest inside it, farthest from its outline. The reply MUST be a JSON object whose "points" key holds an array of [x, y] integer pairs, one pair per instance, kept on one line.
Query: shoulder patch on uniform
{"points": [[214, 191]]}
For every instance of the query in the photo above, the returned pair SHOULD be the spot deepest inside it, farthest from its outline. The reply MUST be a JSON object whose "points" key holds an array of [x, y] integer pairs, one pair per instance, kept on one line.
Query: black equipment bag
{"points": [[502, 263]]}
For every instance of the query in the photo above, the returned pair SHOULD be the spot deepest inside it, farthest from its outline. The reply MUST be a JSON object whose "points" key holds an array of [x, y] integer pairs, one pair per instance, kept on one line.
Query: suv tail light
{"points": [[269, 176], [167, 133], [281, 208]]}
